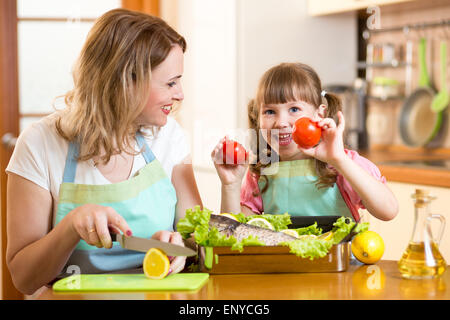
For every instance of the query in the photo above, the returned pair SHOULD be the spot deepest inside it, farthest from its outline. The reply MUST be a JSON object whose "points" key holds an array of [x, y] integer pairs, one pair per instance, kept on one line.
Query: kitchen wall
{"points": [[383, 116], [397, 232], [230, 45]]}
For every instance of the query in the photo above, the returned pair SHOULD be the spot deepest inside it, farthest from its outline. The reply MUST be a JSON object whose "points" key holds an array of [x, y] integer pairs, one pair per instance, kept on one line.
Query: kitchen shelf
{"points": [[393, 64]]}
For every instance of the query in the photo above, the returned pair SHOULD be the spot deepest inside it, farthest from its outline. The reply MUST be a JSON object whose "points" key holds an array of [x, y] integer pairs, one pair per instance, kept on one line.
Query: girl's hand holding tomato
{"points": [[306, 133], [230, 159], [233, 152], [331, 148]]}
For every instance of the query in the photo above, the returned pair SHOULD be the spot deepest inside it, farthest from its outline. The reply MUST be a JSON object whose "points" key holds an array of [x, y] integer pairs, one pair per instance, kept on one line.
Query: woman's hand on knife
{"points": [[92, 223]]}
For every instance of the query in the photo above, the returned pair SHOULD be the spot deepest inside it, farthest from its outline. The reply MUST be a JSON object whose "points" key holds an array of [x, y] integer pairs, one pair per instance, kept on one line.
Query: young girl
{"points": [[323, 180]]}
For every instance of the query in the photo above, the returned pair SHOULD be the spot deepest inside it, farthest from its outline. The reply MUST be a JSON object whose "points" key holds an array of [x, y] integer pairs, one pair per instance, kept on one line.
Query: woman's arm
{"points": [[35, 255], [183, 180]]}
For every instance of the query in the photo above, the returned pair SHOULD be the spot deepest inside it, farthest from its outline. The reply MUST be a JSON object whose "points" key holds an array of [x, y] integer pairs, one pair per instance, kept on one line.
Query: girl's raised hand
{"points": [[228, 174], [331, 147]]}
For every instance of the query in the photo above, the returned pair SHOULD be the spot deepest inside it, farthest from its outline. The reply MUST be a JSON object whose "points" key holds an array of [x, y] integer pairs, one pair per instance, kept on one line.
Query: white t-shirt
{"points": [[40, 155]]}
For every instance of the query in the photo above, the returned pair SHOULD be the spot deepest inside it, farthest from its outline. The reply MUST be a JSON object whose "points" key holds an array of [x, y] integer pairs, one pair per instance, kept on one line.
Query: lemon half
{"points": [[260, 222], [156, 264]]}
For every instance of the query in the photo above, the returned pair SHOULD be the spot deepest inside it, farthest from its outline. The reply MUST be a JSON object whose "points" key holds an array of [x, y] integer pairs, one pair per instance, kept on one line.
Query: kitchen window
{"points": [[50, 36]]}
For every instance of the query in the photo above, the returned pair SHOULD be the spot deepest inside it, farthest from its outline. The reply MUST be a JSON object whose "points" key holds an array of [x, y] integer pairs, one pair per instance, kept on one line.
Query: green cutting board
{"points": [[130, 282]]}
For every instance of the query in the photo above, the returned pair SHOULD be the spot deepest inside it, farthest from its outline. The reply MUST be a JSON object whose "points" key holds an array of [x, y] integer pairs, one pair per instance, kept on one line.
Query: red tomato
{"points": [[306, 133], [233, 152]]}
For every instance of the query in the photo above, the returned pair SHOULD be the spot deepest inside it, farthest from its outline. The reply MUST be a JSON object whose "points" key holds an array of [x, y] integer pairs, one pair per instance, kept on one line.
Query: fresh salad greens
{"points": [[309, 245], [196, 222]]}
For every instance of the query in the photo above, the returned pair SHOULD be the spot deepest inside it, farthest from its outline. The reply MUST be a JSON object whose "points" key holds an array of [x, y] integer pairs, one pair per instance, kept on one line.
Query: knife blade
{"points": [[144, 244], [350, 235]]}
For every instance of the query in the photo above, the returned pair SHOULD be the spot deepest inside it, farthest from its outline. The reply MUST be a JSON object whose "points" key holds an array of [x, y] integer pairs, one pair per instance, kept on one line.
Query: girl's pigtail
{"points": [[333, 105], [255, 168]]}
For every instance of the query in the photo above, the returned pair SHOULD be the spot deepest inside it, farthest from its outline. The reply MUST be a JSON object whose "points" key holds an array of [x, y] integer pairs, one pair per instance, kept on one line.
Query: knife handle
{"points": [[113, 236]]}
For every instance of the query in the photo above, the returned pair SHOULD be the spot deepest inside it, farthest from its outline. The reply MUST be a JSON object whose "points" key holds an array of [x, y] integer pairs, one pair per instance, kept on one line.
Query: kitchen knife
{"points": [[144, 244], [352, 232]]}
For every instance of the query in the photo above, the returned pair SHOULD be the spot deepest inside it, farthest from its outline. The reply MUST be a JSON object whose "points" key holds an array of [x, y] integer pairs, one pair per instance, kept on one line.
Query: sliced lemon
{"points": [[156, 264], [229, 215], [326, 236], [307, 236], [260, 222], [290, 232]]}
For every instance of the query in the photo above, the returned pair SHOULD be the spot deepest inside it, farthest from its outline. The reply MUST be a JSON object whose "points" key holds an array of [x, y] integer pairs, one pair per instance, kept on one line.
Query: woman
{"points": [[111, 161]]}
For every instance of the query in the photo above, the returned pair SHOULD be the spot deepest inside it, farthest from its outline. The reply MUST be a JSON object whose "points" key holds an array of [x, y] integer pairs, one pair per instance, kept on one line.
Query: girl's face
{"points": [[279, 119], [165, 89]]}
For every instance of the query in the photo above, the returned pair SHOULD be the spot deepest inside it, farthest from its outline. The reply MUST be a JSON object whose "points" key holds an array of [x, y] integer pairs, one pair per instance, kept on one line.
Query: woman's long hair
{"points": [[111, 81], [281, 84]]}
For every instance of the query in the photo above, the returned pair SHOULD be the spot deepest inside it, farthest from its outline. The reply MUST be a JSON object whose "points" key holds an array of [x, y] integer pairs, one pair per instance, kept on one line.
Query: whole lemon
{"points": [[368, 247]]}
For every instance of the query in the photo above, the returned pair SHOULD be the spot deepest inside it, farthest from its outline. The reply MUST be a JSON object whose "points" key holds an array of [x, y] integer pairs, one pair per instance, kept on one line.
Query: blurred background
{"points": [[365, 51], [230, 44]]}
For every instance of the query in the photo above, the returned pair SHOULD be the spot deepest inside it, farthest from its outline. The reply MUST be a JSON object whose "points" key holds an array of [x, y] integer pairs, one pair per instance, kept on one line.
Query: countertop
{"points": [[380, 281], [416, 166]]}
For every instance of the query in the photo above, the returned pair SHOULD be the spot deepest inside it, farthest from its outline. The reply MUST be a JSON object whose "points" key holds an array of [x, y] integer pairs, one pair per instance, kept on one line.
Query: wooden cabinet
{"points": [[397, 232], [325, 7]]}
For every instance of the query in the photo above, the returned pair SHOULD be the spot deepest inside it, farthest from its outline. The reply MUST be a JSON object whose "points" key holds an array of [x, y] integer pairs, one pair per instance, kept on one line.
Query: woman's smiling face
{"points": [[277, 121], [165, 89]]}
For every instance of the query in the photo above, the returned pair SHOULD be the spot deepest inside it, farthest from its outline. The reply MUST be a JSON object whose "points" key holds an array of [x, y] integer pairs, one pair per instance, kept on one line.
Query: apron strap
{"points": [[71, 163], [147, 152], [70, 168]]}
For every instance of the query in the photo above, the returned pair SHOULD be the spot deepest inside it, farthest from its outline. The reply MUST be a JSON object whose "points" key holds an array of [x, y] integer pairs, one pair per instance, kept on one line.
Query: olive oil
{"points": [[421, 261]]}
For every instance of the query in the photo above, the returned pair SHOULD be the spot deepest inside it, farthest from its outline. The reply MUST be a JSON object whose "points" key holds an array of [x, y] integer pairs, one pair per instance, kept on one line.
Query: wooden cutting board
{"points": [[130, 282]]}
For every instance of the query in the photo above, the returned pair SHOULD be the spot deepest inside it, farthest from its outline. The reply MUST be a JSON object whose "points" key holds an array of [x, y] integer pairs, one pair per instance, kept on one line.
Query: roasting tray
{"points": [[276, 259], [270, 259]]}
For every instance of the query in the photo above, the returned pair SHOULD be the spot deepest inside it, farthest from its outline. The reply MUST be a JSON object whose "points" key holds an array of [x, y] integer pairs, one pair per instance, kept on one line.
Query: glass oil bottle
{"points": [[422, 259]]}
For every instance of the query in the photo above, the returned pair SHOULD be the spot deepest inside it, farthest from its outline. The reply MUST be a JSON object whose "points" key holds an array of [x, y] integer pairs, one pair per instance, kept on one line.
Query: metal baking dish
{"points": [[276, 259], [270, 259]]}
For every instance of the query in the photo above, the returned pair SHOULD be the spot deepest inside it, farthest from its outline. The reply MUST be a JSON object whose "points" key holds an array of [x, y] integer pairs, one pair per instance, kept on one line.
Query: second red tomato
{"points": [[233, 152], [306, 133]]}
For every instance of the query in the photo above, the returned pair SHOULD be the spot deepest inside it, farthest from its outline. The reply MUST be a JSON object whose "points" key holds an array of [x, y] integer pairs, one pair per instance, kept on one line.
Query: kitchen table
{"points": [[379, 281]]}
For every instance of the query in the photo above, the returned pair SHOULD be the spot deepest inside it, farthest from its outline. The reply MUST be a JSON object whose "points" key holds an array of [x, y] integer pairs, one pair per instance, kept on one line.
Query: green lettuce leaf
{"points": [[195, 220], [361, 227], [250, 241], [278, 221], [341, 229], [312, 229], [308, 248]]}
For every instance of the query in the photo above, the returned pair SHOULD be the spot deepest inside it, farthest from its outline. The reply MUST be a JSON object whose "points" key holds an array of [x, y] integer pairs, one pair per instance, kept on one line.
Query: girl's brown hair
{"points": [[111, 80], [284, 83]]}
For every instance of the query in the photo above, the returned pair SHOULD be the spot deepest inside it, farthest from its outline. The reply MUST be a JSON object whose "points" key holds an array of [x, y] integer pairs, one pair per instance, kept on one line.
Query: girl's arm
{"points": [[375, 195], [231, 179]]}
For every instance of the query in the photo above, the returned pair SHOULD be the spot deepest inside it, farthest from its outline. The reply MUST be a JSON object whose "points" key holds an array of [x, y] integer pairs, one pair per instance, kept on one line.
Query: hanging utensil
{"points": [[418, 124], [441, 100]]}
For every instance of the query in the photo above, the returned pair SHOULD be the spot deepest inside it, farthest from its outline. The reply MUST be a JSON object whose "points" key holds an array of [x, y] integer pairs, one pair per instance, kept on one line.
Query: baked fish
{"points": [[230, 227]]}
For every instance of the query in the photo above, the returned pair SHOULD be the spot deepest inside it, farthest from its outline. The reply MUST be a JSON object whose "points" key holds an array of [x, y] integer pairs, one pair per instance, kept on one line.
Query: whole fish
{"points": [[230, 227]]}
